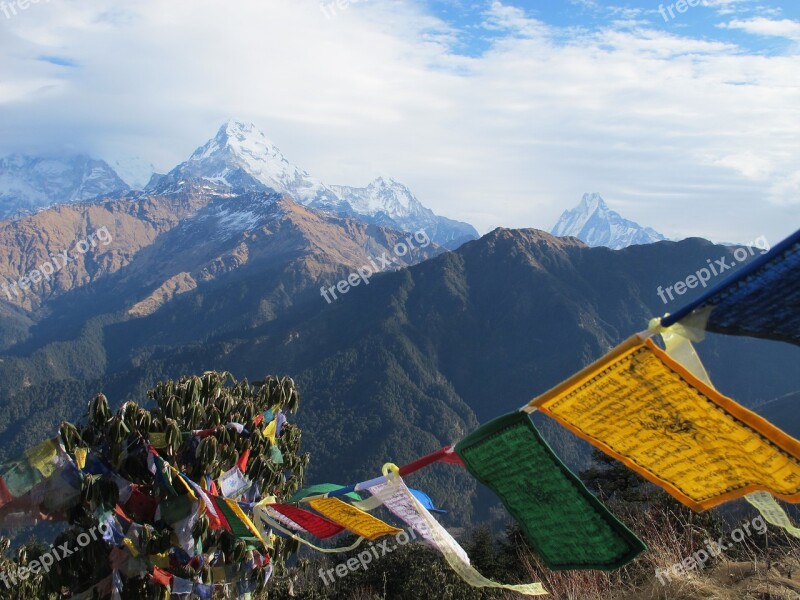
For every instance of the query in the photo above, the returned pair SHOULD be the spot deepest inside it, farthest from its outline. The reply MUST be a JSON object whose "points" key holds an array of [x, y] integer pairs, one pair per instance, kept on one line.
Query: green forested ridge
{"points": [[400, 367]]}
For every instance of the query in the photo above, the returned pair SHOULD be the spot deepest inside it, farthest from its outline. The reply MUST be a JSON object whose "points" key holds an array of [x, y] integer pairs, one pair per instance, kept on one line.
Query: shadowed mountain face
{"points": [[390, 370], [783, 410]]}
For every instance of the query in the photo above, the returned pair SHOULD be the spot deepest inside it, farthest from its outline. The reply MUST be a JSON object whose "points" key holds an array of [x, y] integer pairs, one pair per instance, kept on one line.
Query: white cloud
{"points": [[785, 28], [728, 7], [690, 136]]}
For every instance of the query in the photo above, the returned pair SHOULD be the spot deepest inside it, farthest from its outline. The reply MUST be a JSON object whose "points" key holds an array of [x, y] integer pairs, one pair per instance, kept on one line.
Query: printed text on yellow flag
{"points": [[646, 410]]}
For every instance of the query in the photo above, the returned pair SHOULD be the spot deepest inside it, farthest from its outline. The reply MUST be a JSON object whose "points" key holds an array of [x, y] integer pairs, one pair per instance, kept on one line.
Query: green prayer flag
{"points": [[238, 528], [25, 472], [276, 455], [563, 522], [319, 489], [164, 476], [176, 508], [21, 478]]}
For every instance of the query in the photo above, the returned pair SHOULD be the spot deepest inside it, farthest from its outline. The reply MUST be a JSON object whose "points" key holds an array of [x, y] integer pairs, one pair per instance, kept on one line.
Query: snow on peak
{"points": [[28, 183], [243, 140], [597, 225], [241, 159], [381, 196], [593, 202]]}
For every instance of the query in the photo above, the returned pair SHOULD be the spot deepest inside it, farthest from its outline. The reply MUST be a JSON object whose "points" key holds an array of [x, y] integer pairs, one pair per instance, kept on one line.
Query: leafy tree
{"points": [[207, 425], [613, 481], [409, 572]]}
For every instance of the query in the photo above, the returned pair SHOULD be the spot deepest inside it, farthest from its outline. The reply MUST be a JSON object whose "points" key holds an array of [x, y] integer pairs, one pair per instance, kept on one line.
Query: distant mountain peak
{"points": [[28, 183], [382, 196], [236, 127], [241, 159], [246, 137], [243, 141], [594, 223], [593, 202]]}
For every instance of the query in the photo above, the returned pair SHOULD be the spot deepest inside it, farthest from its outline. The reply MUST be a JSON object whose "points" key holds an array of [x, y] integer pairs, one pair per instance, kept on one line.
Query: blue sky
{"points": [[495, 112], [706, 20]]}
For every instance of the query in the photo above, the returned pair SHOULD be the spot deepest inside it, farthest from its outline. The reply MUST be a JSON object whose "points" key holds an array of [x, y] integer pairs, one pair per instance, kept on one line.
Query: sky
{"points": [[498, 113]]}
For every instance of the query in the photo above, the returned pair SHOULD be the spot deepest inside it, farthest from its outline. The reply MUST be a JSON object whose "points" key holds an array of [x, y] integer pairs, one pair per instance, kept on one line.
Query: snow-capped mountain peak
{"points": [[593, 202], [597, 225], [385, 196], [28, 183], [242, 139], [241, 159]]}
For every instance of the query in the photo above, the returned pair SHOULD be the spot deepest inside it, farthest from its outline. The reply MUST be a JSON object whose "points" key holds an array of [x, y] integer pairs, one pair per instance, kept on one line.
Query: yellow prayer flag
{"points": [[80, 457], [353, 519], [41, 457], [269, 431], [643, 408], [131, 547], [237, 510], [158, 440], [679, 347], [772, 512], [160, 560]]}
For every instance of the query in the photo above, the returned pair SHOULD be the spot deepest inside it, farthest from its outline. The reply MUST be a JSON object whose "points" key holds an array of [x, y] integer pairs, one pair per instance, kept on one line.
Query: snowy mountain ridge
{"points": [[28, 183], [238, 160], [595, 224], [241, 159]]}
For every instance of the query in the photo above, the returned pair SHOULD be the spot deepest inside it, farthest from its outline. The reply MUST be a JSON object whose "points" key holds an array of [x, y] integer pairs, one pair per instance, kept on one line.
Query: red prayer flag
{"points": [[141, 506], [242, 463], [221, 522], [5, 493], [162, 577], [313, 523]]}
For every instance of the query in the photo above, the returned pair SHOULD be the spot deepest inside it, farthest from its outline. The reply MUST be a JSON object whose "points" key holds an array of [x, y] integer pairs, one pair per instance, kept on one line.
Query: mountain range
{"points": [[597, 225], [237, 160], [225, 263], [393, 369]]}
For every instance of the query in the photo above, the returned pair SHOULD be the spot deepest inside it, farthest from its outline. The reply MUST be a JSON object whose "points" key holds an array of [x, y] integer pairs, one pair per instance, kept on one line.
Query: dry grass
{"points": [[745, 572]]}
